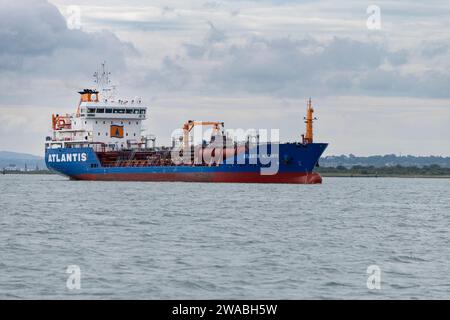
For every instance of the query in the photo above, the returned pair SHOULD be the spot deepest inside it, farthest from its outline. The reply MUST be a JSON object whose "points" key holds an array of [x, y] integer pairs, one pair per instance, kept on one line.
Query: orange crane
{"points": [[188, 126]]}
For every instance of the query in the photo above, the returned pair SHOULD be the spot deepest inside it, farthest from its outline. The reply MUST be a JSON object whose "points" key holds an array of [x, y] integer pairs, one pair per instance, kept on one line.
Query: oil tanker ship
{"points": [[104, 140]]}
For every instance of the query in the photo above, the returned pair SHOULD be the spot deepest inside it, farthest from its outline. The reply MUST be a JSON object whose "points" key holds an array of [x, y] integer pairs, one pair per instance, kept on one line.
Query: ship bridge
{"points": [[101, 122], [113, 110]]}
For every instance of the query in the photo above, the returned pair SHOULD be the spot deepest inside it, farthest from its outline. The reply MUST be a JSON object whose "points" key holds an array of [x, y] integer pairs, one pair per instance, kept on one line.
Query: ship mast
{"points": [[309, 119], [101, 78]]}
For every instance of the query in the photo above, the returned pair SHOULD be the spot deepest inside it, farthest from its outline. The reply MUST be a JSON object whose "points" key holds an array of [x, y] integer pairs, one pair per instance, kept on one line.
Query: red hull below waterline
{"points": [[218, 177]]}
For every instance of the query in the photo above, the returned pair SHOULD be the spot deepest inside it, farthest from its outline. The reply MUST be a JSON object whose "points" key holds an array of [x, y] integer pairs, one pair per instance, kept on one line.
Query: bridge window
{"points": [[100, 110], [108, 110], [91, 110], [129, 111], [119, 111]]}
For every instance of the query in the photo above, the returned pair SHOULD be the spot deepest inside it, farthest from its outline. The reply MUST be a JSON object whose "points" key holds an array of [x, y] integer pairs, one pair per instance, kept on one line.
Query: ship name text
{"points": [[67, 157]]}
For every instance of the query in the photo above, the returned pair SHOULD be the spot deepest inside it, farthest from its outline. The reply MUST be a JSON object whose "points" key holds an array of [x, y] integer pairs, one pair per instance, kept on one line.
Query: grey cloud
{"points": [[36, 42], [398, 58], [349, 55], [213, 36], [287, 67], [430, 84], [40, 44], [432, 49], [170, 76]]}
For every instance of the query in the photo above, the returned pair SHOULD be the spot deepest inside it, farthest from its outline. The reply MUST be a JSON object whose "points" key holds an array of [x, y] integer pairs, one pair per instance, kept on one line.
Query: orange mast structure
{"points": [[309, 119]]}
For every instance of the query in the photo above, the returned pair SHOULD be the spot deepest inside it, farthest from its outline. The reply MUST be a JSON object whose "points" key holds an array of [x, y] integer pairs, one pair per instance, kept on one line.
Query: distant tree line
{"points": [[389, 160], [431, 170], [21, 171]]}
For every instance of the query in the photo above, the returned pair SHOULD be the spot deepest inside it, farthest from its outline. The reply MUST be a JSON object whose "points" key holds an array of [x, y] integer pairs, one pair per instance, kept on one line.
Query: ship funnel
{"points": [[88, 95]]}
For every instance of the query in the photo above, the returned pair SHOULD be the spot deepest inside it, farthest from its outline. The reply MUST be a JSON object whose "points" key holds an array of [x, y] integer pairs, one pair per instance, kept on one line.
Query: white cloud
{"points": [[38, 48]]}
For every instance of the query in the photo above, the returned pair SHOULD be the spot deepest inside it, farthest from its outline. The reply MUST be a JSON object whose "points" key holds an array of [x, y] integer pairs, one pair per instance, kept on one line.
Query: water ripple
{"points": [[204, 241]]}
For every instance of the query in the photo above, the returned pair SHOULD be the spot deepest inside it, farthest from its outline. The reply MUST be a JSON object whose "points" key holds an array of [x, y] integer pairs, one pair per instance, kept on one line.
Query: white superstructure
{"points": [[101, 122]]}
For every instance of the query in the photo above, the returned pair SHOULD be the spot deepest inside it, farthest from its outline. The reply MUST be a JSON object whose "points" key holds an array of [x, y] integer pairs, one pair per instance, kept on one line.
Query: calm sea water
{"points": [[204, 241]]}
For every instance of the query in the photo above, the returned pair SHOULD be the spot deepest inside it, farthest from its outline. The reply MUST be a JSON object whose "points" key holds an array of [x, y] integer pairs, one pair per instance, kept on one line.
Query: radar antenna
{"points": [[101, 78]]}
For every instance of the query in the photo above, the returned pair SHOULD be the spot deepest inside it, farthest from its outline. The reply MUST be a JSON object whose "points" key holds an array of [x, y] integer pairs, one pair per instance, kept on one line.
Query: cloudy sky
{"points": [[252, 64]]}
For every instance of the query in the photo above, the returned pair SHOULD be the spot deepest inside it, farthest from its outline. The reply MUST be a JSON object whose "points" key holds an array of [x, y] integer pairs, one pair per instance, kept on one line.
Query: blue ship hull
{"points": [[294, 163]]}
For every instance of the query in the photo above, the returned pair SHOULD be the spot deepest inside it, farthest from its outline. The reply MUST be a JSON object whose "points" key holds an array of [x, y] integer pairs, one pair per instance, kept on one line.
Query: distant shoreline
{"points": [[431, 171], [6, 172]]}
